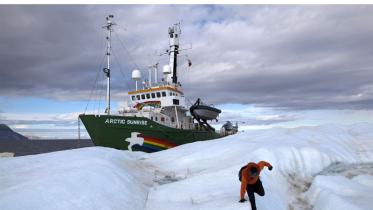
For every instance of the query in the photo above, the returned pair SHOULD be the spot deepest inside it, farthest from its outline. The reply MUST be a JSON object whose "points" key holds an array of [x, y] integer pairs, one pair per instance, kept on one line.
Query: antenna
{"points": [[108, 27], [155, 68], [150, 77]]}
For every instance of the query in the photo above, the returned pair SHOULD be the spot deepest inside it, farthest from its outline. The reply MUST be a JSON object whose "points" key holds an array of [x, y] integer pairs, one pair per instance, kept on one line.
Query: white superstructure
{"points": [[162, 102]]}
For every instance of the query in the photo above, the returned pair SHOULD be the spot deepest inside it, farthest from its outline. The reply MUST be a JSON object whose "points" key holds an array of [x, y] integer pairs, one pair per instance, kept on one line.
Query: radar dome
{"points": [[166, 69], [136, 74]]}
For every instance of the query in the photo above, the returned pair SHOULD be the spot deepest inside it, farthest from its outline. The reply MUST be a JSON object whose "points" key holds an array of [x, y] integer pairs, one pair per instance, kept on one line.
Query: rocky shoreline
{"points": [[32, 147]]}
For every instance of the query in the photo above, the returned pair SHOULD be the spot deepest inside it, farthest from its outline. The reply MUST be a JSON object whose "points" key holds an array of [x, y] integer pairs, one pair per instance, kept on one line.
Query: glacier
{"points": [[314, 167]]}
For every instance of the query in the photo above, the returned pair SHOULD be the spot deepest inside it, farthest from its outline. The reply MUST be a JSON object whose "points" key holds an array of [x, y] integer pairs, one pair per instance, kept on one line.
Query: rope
{"points": [[95, 84], [127, 51], [188, 100], [99, 98], [120, 69]]}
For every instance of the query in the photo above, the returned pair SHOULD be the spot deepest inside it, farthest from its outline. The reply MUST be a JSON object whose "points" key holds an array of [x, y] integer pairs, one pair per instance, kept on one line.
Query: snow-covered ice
{"points": [[90, 178], [323, 167]]}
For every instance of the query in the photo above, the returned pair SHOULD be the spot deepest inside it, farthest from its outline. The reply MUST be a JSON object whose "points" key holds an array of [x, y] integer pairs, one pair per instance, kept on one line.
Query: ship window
{"points": [[172, 119], [156, 118], [133, 98], [176, 101], [158, 94], [170, 93], [138, 97], [147, 95], [162, 119], [142, 96], [153, 95], [163, 94], [151, 117]]}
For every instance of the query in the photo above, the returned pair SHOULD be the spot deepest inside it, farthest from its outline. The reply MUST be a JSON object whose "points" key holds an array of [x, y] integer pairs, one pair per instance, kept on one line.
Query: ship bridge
{"points": [[158, 96], [163, 104]]}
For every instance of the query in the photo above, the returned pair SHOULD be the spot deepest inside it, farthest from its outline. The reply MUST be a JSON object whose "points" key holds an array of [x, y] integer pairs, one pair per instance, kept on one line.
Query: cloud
{"points": [[46, 121], [251, 115], [290, 57]]}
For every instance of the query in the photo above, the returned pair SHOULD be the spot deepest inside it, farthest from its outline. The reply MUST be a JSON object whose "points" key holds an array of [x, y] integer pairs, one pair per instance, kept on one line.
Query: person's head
{"points": [[253, 172]]}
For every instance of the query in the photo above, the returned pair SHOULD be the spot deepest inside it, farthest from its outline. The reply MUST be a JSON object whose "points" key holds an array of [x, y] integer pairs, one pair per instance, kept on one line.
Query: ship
{"points": [[157, 116]]}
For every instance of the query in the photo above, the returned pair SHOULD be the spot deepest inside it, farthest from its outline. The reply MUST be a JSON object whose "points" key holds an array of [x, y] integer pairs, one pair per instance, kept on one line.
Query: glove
{"points": [[242, 200], [270, 168]]}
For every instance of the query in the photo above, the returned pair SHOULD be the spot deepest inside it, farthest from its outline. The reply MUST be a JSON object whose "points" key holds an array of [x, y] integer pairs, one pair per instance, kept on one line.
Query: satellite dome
{"points": [[136, 74], [166, 69]]}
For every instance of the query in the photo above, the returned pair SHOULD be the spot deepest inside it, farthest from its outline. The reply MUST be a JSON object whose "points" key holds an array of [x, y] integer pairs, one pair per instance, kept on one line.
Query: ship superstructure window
{"points": [[153, 95], [138, 97], [147, 95], [163, 94], [158, 94], [142, 96], [156, 118], [133, 98], [176, 101], [172, 119], [170, 93]]}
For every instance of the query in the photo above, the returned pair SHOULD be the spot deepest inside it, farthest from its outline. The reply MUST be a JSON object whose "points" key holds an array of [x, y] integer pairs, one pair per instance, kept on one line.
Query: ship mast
{"points": [[108, 27], [174, 33]]}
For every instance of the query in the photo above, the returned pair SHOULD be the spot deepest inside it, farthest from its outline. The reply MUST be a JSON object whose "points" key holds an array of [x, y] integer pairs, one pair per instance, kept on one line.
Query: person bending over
{"points": [[250, 181]]}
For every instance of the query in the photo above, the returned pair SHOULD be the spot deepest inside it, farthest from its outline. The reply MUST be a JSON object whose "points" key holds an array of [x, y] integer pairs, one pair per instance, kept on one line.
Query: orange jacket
{"points": [[246, 179]]}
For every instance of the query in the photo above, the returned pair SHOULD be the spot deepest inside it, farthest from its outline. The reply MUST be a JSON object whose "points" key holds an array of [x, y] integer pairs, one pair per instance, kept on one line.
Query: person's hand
{"points": [[270, 168], [242, 200]]}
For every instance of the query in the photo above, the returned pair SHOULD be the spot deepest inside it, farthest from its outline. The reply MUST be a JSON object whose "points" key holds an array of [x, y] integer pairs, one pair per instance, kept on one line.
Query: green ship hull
{"points": [[139, 133]]}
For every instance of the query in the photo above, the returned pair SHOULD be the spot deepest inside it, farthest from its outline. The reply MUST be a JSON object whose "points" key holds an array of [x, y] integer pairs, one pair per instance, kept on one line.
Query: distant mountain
{"points": [[8, 134]]}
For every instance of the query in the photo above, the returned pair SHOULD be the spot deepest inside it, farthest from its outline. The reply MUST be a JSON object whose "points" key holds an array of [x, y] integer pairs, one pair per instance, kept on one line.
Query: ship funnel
{"points": [[136, 75]]}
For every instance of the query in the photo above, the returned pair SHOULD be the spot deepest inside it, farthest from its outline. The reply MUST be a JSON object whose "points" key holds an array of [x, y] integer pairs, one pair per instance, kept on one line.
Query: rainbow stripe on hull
{"points": [[156, 144]]}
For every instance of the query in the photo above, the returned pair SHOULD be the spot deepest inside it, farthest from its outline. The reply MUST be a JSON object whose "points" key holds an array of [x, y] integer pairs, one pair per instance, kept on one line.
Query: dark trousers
{"points": [[257, 187]]}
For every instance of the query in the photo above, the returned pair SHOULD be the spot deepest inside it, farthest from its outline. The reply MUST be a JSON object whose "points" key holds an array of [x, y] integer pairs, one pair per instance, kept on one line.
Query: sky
{"points": [[263, 65]]}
